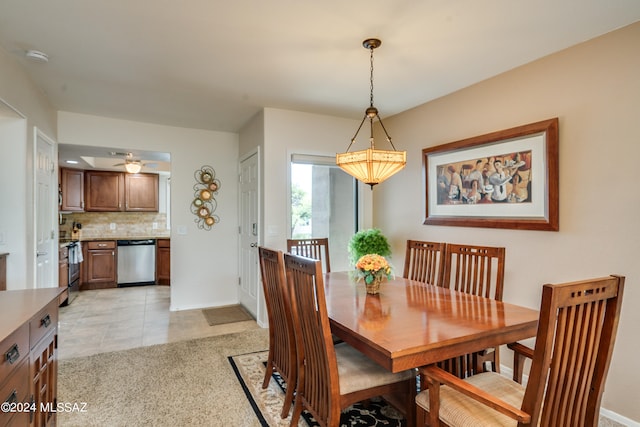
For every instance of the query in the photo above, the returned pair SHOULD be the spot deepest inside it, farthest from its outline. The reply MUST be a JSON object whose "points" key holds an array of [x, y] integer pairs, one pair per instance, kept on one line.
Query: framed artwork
{"points": [[505, 179]]}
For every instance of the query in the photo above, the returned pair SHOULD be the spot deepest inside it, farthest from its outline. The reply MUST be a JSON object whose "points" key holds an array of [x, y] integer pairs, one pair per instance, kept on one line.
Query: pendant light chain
{"points": [[371, 78]]}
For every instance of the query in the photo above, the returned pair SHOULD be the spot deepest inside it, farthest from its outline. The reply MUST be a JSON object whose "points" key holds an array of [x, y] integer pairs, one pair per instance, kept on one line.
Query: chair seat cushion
{"points": [[357, 372], [459, 410]]}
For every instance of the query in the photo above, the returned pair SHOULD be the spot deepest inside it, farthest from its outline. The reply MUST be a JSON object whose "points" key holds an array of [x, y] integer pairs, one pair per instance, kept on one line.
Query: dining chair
{"points": [[575, 339], [282, 347], [333, 377], [424, 262], [477, 270], [316, 248]]}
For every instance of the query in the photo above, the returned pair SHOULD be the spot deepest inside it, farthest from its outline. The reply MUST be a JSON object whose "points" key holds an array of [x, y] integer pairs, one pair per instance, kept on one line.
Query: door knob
{"points": [[254, 245]]}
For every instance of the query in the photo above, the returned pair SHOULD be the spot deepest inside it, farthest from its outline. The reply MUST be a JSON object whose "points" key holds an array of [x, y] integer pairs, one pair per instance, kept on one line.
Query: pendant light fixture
{"points": [[371, 166]]}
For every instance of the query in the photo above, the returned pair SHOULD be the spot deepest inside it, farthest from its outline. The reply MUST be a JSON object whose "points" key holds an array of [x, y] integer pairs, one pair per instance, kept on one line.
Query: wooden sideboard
{"points": [[3, 271], [29, 364]]}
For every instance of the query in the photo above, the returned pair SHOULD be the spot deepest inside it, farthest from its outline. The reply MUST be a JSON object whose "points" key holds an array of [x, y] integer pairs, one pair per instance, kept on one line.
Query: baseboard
{"points": [[610, 415]]}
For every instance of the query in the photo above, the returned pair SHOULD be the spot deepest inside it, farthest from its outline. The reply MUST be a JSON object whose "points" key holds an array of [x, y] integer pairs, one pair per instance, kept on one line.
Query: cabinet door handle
{"points": [[12, 355], [45, 321], [13, 397]]}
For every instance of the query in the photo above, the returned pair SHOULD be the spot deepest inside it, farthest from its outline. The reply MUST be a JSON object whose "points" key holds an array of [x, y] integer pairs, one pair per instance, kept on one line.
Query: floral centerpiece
{"points": [[373, 268]]}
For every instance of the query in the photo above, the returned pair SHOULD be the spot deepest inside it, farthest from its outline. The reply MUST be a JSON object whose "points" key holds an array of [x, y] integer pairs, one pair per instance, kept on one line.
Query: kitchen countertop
{"points": [[65, 242], [129, 237]]}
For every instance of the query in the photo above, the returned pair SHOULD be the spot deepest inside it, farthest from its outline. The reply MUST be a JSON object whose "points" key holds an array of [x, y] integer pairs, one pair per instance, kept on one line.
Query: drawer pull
{"points": [[13, 397], [13, 354], [45, 321]]}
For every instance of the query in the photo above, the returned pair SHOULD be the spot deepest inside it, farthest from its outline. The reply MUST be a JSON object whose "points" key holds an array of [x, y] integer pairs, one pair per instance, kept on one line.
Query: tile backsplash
{"points": [[97, 225]]}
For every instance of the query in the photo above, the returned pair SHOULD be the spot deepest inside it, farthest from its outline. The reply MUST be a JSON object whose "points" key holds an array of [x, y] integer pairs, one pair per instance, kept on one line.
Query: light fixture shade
{"points": [[371, 166], [132, 167]]}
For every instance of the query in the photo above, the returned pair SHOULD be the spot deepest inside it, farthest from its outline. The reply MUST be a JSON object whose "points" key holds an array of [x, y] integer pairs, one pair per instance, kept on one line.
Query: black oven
{"points": [[75, 258]]}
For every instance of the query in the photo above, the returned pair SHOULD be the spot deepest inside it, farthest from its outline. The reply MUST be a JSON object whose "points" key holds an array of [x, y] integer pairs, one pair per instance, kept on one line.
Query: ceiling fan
{"points": [[130, 164]]}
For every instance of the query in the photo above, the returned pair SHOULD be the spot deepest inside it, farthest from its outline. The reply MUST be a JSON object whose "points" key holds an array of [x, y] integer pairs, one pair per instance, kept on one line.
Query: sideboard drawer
{"points": [[16, 391], [13, 349], [43, 322]]}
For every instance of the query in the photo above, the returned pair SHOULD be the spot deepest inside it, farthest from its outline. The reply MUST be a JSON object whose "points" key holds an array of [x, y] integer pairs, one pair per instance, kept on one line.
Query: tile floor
{"points": [[106, 320]]}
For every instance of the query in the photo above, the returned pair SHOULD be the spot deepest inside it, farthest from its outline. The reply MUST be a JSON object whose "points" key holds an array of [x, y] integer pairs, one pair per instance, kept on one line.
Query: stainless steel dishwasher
{"points": [[136, 262]]}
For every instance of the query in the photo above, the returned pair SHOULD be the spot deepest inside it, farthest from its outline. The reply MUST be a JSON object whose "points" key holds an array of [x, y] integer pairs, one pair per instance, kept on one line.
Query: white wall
{"points": [[594, 89], [204, 264], [280, 133], [288, 132], [22, 107]]}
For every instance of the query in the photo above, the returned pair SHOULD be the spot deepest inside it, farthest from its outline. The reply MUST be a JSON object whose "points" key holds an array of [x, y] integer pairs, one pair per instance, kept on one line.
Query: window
{"points": [[323, 204]]}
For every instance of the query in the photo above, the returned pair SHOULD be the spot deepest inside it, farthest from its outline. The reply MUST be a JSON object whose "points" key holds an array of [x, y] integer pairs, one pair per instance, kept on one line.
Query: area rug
{"points": [[228, 314], [267, 403]]}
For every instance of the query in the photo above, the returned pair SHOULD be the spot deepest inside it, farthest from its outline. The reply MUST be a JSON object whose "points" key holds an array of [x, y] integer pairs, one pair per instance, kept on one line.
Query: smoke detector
{"points": [[37, 56]]}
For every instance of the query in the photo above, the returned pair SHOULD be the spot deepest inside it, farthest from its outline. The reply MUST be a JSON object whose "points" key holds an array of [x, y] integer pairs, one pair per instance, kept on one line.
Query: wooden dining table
{"points": [[410, 324]]}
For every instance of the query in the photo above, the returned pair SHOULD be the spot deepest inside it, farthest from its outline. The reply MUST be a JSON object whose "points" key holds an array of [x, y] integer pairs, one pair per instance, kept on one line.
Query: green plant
{"points": [[369, 241]]}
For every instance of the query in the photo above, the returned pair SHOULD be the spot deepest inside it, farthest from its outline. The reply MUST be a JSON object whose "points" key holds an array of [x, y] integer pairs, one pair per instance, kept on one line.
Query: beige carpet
{"points": [[177, 384], [228, 314]]}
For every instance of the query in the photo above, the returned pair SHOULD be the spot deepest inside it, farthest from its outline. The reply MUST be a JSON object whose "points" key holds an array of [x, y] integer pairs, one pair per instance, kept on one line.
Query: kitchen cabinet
{"points": [[99, 269], [117, 191], [163, 262], [104, 191], [71, 190], [141, 192], [63, 272], [29, 368]]}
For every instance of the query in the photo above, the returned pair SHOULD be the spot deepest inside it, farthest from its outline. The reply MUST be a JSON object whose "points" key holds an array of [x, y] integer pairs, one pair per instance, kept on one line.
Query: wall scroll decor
{"points": [[204, 202], [505, 179]]}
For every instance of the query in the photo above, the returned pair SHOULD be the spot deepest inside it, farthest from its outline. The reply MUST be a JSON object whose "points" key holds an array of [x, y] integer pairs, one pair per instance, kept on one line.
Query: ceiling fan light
{"points": [[36, 56], [132, 167]]}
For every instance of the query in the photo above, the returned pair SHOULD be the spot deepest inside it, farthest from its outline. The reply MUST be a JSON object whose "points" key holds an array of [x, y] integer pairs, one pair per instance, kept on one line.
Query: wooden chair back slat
{"points": [[319, 378], [477, 270], [576, 334], [424, 262], [316, 248], [282, 349]]}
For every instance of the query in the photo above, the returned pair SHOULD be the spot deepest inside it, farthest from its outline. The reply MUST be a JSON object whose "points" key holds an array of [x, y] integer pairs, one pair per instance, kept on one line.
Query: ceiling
{"points": [[105, 158], [213, 64]]}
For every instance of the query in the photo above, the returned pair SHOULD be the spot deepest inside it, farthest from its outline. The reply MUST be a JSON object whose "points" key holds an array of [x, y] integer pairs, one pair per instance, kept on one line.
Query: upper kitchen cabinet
{"points": [[71, 190], [104, 191], [117, 191], [141, 192]]}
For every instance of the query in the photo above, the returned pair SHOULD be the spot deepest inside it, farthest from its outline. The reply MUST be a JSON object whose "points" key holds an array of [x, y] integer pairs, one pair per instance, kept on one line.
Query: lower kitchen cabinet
{"points": [[163, 262], [29, 368], [63, 272], [100, 265]]}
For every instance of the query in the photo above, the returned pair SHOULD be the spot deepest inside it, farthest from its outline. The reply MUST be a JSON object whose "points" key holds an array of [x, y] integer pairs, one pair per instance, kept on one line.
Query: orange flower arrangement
{"points": [[372, 266]]}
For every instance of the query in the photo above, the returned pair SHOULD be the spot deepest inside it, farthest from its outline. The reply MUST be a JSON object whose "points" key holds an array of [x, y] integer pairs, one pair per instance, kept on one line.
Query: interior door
{"points": [[45, 209], [249, 236]]}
